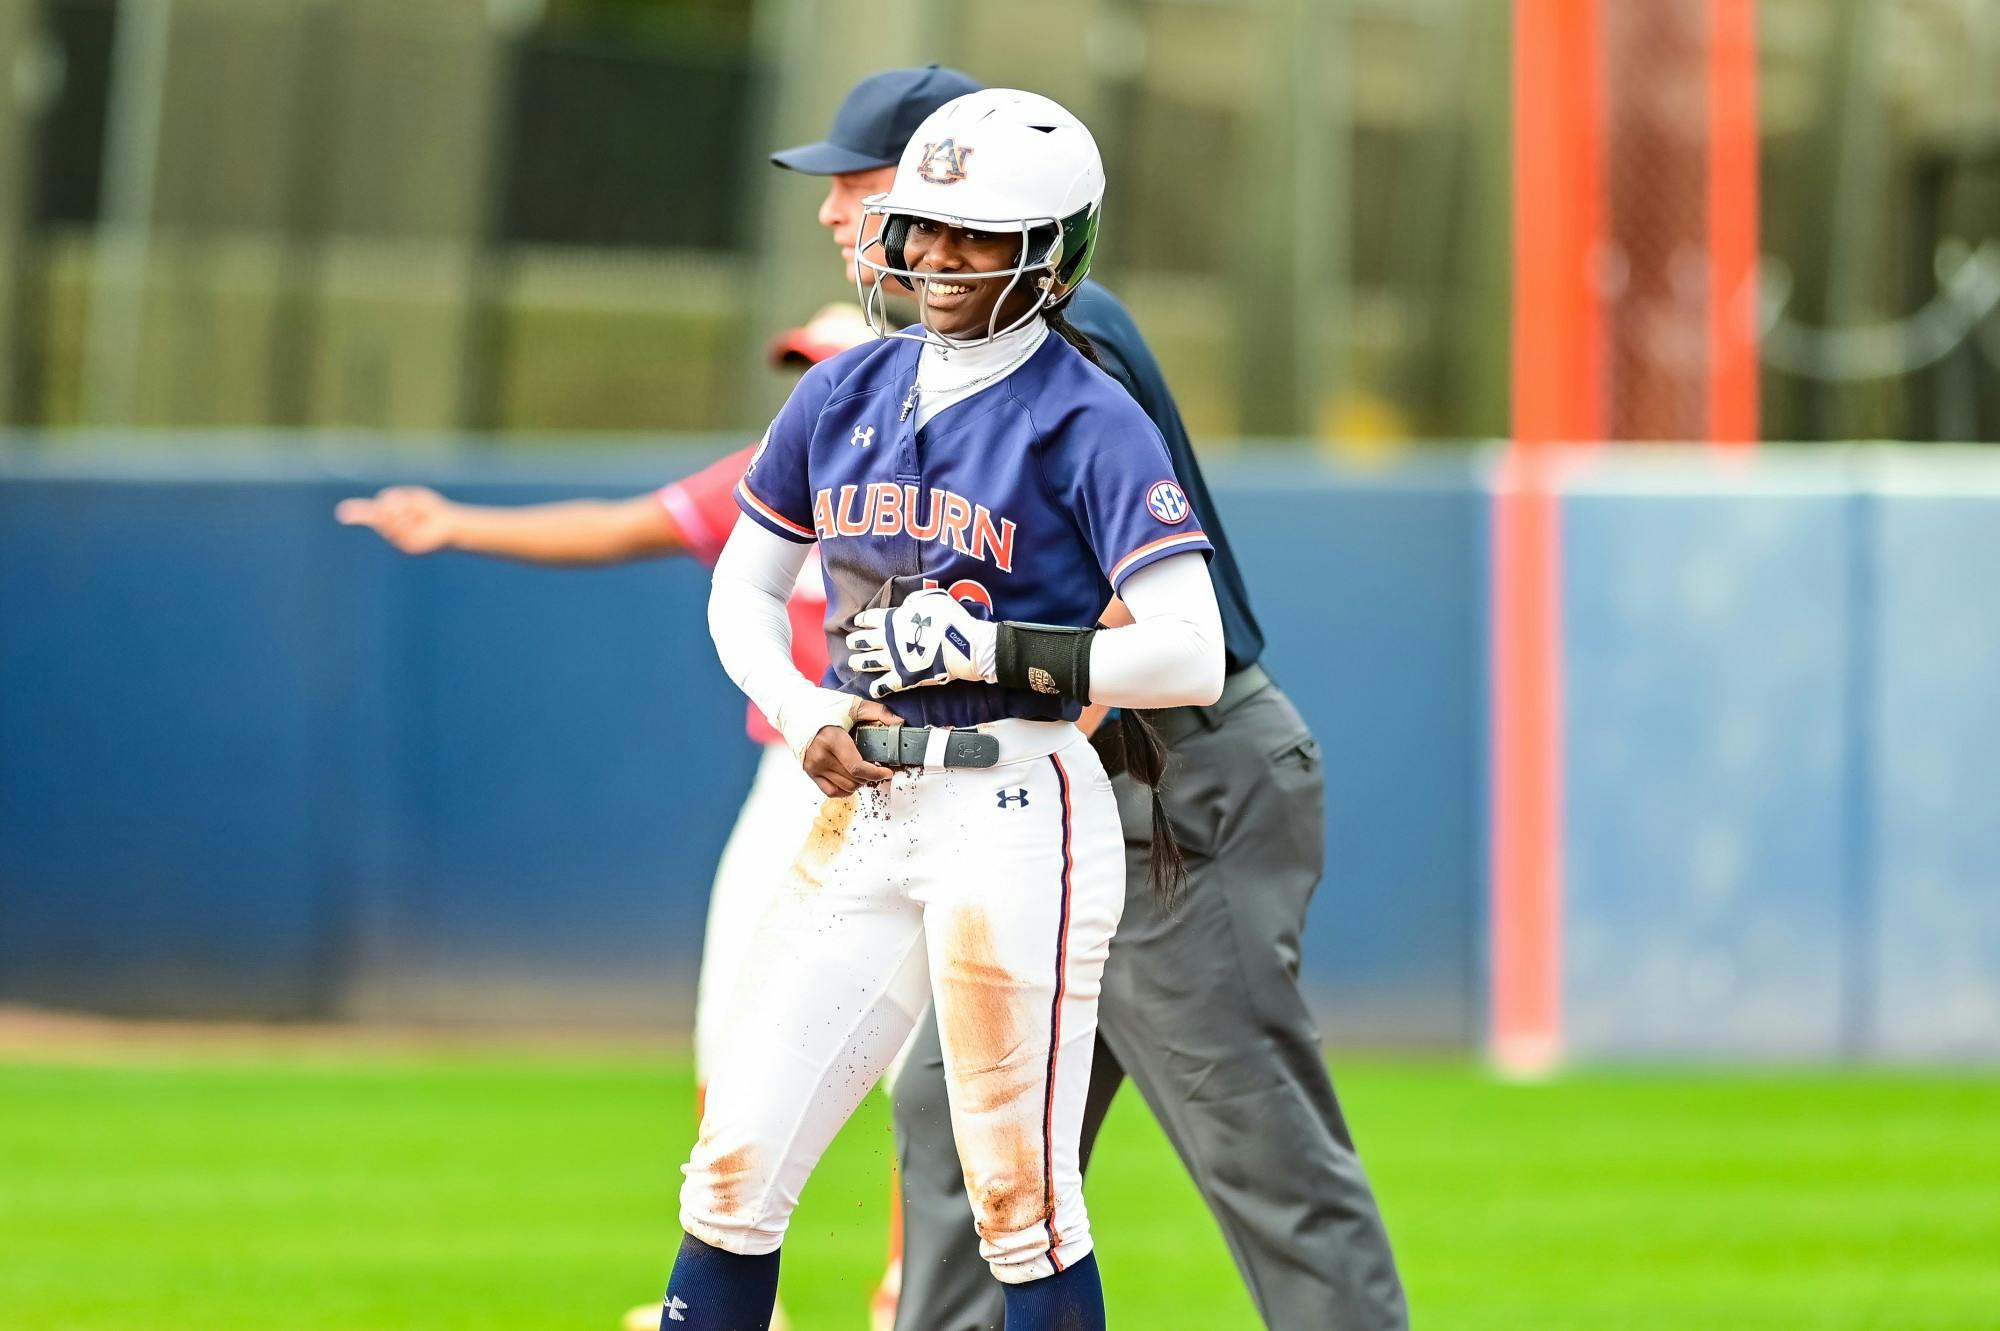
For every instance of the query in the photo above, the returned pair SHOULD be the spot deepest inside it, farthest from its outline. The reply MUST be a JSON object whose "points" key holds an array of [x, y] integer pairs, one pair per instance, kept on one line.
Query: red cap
{"points": [[832, 331]]}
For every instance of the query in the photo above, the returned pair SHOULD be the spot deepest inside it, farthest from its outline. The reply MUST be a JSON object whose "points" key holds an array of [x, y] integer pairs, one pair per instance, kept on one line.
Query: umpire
{"points": [[1201, 1009]]}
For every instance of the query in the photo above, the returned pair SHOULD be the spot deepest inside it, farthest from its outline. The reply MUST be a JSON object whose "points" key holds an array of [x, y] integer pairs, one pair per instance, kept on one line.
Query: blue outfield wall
{"points": [[1929, 942], [1707, 677], [1780, 835], [254, 764], [1370, 588]]}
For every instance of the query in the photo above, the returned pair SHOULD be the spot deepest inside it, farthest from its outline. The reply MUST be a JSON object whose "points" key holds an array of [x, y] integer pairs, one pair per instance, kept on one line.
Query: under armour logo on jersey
{"points": [[674, 1309], [943, 163], [864, 435], [1166, 502], [1019, 798]]}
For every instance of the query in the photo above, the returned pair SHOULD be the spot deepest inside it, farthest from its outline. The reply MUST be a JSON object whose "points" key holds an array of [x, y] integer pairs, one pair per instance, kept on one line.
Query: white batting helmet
{"points": [[998, 160]]}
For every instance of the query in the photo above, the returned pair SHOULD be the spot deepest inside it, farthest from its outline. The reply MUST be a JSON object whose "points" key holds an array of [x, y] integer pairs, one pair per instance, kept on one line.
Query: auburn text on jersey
{"points": [[884, 508]]}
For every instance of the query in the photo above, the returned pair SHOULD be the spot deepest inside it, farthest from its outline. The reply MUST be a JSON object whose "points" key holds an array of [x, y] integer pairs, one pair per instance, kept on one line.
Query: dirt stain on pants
{"points": [[823, 841], [996, 1059]]}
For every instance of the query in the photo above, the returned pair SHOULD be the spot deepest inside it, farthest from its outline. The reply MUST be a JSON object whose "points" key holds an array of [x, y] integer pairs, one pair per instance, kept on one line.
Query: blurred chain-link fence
{"points": [[442, 215]]}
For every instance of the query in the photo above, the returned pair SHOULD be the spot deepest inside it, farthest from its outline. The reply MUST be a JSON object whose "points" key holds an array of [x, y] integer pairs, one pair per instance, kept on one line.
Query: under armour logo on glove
{"points": [[928, 639]]}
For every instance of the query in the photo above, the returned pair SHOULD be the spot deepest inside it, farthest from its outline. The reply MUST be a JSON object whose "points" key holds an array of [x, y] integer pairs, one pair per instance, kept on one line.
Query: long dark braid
{"points": [[1146, 759], [1070, 333]]}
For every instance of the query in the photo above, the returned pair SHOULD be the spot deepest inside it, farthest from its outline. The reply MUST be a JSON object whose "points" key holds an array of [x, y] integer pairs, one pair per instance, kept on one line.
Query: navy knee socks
{"points": [[1071, 1300], [713, 1290]]}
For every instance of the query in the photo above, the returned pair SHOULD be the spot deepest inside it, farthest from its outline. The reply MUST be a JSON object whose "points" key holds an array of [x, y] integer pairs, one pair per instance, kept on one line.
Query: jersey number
{"points": [[965, 589]]}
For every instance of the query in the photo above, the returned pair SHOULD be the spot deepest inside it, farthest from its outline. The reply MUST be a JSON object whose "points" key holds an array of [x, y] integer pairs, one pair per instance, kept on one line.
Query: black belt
{"points": [[906, 746], [1176, 723]]}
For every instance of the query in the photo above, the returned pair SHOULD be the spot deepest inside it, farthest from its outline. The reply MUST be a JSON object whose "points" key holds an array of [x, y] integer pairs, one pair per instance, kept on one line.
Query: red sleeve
{"points": [[703, 505]]}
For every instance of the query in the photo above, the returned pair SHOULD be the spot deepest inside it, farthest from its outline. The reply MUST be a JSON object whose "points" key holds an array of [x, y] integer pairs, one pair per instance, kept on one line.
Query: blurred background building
{"points": [[1642, 751], [554, 215]]}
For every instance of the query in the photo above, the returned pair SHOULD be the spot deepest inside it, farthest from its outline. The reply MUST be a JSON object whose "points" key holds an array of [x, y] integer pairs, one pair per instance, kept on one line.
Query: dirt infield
{"points": [[42, 1033]]}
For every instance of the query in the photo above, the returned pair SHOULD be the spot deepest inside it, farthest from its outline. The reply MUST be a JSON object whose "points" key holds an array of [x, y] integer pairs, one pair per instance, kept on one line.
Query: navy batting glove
{"points": [[928, 639]]}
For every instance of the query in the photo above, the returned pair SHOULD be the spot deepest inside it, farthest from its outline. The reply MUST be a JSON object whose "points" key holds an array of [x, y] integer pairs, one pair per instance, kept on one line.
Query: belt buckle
{"points": [[971, 748], [909, 746]]}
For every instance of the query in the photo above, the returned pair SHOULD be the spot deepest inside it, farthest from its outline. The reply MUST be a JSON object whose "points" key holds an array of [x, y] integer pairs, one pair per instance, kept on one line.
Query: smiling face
{"points": [[955, 301]]}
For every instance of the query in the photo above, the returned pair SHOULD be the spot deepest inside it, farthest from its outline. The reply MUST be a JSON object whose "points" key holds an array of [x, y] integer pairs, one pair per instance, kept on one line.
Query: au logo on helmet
{"points": [[944, 162]]}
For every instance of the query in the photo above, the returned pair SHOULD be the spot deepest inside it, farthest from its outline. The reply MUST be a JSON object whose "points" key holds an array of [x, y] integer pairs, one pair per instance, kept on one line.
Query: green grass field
{"points": [[210, 1190]]}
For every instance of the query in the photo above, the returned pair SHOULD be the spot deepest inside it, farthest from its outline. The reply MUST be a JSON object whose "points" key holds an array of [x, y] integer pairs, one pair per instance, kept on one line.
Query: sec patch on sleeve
{"points": [[1168, 503]]}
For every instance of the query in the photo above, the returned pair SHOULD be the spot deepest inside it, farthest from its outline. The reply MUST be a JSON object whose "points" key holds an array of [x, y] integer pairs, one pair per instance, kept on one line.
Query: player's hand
{"points": [[835, 764], [928, 639], [412, 518]]}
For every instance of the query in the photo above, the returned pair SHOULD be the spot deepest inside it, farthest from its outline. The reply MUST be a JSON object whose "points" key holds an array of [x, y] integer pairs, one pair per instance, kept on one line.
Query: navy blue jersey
{"points": [[1098, 314], [1034, 498]]}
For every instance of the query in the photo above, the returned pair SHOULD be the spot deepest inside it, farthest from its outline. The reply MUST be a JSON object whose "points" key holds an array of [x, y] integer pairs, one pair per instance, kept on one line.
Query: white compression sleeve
{"points": [[753, 580], [1171, 655]]}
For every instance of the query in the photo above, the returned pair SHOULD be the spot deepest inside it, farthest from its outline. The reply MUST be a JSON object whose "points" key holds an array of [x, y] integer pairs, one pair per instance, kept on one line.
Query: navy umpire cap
{"points": [[874, 123]]}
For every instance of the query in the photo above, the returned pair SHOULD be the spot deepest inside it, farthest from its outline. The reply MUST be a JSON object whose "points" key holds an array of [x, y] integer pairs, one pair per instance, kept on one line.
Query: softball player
{"points": [[691, 516], [1215, 1035], [978, 492]]}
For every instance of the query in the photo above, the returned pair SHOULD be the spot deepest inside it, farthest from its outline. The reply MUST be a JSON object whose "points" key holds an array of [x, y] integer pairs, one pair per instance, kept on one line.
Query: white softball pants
{"points": [[768, 832], [763, 843], [992, 892]]}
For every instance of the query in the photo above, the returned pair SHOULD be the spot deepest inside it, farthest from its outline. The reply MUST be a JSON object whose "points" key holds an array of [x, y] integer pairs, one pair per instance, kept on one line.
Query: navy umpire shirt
{"points": [[1097, 313]]}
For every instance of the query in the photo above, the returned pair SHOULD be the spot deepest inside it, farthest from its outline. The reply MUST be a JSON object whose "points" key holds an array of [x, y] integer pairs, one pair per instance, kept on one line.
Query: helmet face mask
{"points": [[1003, 163], [1039, 258]]}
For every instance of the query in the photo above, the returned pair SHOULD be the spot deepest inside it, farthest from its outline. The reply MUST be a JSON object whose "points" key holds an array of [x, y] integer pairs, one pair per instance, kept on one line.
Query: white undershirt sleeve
{"points": [[1171, 655], [753, 580]]}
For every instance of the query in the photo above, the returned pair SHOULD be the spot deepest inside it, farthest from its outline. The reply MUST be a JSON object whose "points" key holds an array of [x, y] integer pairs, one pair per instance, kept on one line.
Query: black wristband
{"points": [[1043, 658]]}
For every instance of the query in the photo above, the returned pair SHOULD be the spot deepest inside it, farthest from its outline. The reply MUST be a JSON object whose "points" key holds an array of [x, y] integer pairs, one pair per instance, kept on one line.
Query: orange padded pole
{"points": [[1732, 222], [1558, 398]]}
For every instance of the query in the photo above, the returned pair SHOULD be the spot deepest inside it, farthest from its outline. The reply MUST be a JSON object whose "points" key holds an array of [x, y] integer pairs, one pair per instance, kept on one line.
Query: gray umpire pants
{"points": [[1202, 1011]]}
